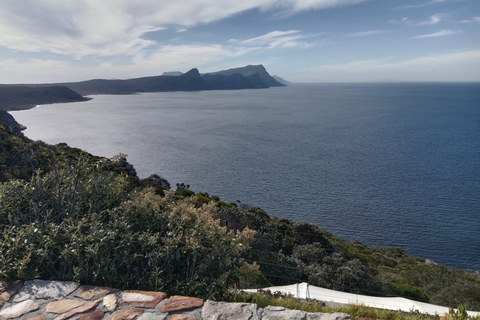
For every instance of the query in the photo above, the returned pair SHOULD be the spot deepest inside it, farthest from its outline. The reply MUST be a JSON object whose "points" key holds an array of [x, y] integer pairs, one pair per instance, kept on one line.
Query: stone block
{"points": [[42, 289], [92, 292], [19, 309], [281, 313], [8, 289], [213, 310], [182, 316], [125, 314], [95, 315], [328, 316], [142, 299], [179, 303], [62, 306], [110, 302], [81, 309]]}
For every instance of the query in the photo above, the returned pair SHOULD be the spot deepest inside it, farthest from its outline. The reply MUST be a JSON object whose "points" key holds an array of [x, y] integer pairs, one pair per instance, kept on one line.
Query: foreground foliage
{"points": [[268, 298], [68, 215]]}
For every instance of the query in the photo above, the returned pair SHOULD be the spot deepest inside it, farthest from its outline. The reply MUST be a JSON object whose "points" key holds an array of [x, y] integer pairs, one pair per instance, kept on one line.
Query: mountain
{"points": [[250, 70], [281, 80], [190, 81], [9, 122], [172, 73], [25, 97], [249, 77], [234, 81]]}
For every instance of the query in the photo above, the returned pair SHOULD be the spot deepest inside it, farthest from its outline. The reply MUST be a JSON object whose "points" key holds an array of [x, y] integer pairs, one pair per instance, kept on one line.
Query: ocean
{"points": [[384, 164]]}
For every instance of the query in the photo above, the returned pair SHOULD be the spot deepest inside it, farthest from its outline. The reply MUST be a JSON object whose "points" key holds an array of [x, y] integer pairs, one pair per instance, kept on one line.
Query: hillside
{"points": [[250, 70], [250, 77], [10, 123], [281, 80], [68, 215], [24, 97], [190, 81]]}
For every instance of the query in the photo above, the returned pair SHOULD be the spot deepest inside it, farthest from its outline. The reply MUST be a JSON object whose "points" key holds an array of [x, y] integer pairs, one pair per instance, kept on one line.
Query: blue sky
{"points": [[302, 41]]}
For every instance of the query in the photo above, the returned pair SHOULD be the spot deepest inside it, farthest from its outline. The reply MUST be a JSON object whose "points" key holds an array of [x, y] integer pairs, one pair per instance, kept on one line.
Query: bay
{"points": [[385, 164]]}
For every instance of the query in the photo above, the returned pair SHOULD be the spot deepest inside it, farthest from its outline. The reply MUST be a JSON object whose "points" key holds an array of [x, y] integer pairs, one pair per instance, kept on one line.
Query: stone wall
{"points": [[60, 300]]}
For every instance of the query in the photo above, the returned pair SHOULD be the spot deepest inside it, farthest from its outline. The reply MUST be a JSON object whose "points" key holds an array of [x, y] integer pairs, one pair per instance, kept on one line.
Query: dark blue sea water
{"points": [[386, 164]]}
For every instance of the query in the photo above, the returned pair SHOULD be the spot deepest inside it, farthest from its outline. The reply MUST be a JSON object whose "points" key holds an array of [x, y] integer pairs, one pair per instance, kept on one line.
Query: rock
{"points": [[180, 316], [78, 310], [62, 306], [1, 304], [41, 289], [95, 315], [260, 313], [281, 313], [142, 299], [35, 317], [329, 316], [110, 302], [153, 316], [177, 303], [92, 292], [9, 122], [126, 314], [8, 289], [232, 311], [19, 309]]}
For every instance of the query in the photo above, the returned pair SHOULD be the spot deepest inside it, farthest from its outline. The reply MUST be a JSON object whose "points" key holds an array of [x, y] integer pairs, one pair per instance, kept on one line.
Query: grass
{"points": [[355, 311]]}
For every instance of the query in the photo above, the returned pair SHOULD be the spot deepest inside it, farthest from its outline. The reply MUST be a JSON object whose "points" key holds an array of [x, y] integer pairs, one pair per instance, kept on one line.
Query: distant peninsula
{"points": [[26, 96], [248, 77]]}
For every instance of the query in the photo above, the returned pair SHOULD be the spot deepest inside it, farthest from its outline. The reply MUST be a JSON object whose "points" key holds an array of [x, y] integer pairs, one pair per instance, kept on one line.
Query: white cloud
{"points": [[164, 58], [436, 18], [279, 39], [425, 4], [111, 27], [472, 20], [403, 20], [458, 66], [169, 57], [366, 33], [440, 33]]}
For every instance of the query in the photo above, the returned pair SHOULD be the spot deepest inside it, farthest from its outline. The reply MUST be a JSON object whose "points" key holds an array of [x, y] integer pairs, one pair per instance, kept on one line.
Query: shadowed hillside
{"points": [[24, 97], [250, 77]]}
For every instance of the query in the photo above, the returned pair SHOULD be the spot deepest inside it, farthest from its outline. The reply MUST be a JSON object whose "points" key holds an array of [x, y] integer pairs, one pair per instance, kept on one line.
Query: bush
{"points": [[82, 224]]}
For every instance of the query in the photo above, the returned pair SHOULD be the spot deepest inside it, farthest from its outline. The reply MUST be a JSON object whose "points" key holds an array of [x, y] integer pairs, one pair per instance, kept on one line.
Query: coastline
{"points": [[132, 118]]}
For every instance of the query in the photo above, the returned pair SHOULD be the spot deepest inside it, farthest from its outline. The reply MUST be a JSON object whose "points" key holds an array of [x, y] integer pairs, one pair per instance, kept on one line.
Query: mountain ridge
{"points": [[249, 70], [231, 79], [26, 96]]}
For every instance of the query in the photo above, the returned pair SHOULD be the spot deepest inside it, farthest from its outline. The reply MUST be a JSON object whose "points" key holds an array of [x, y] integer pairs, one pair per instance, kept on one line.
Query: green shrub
{"points": [[83, 224]]}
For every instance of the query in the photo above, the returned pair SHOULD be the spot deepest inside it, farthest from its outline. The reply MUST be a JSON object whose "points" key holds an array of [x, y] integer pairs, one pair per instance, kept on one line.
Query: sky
{"points": [[300, 40]]}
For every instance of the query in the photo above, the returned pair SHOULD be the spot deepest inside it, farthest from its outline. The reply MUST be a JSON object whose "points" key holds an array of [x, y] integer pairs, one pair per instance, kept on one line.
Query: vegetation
{"points": [[68, 215], [266, 298]]}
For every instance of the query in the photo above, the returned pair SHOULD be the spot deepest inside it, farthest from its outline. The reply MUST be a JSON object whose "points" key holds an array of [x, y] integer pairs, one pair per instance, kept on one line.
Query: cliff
{"points": [[25, 97], [28, 95], [250, 70], [189, 81], [10, 123]]}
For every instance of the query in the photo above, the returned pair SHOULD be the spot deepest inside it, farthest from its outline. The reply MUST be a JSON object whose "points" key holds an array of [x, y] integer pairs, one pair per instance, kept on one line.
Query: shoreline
{"points": [[361, 235]]}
